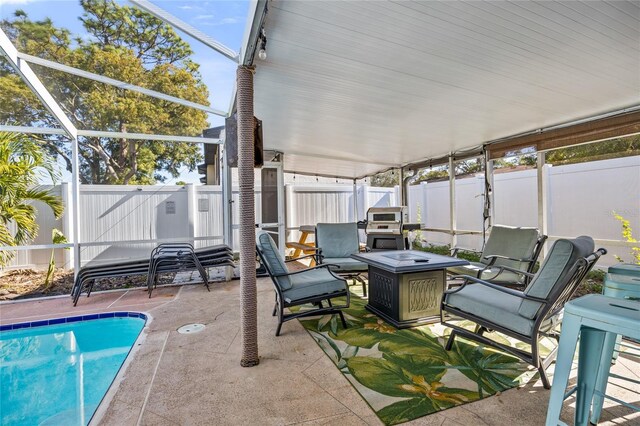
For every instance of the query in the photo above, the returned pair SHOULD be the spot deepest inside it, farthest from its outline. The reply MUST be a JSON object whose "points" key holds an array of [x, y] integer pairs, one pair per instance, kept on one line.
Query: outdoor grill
{"points": [[384, 227]]}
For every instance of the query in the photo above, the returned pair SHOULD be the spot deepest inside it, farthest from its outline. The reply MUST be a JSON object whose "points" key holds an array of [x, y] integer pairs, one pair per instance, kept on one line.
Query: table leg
{"points": [[566, 350], [610, 342], [591, 344]]}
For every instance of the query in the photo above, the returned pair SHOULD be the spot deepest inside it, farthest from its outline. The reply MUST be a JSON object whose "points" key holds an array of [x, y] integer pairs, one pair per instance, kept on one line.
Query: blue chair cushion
{"points": [[556, 272], [274, 261], [337, 239], [346, 264], [514, 242], [492, 305], [313, 283], [505, 277]]}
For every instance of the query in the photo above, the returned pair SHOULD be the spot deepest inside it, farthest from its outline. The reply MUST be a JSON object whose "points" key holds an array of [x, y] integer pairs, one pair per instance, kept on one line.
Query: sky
{"points": [[222, 20]]}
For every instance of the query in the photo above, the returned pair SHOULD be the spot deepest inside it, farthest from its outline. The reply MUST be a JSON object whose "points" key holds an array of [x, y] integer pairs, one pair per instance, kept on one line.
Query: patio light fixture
{"points": [[262, 54]]}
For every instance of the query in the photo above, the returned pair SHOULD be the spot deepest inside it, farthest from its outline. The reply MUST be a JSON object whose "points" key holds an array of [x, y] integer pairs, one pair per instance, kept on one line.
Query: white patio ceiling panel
{"points": [[379, 84]]}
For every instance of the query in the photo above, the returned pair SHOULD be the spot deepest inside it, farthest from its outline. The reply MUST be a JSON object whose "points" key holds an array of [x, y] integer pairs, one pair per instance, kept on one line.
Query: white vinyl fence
{"points": [[580, 200]]}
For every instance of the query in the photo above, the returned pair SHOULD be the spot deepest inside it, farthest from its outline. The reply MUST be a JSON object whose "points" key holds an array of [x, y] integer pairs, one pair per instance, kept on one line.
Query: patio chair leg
{"points": [[344, 323], [280, 315], [275, 306], [479, 330], [364, 286], [543, 376], [449, 344]]}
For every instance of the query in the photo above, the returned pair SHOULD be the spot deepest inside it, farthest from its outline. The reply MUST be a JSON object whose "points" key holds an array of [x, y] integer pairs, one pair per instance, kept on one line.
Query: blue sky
{"points": [[222, 20]]}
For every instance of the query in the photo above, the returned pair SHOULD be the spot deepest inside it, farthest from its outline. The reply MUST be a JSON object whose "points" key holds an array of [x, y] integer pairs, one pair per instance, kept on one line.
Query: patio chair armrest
{"points": [[324, 265], [468, 279], [455, 250], [518, 271], [493, 257], [503, 268], [300, 257]]}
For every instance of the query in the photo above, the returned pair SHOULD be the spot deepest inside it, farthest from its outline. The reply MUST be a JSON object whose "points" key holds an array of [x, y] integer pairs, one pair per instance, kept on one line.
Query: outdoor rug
{"points": [[406, 374]]}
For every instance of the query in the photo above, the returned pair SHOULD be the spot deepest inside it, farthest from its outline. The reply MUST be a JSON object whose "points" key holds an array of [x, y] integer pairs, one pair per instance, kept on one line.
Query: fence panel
{"points": [[580, 200]]}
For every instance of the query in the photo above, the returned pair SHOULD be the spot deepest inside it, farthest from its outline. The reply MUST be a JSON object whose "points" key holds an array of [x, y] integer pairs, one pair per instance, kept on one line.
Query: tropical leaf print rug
{"points": [[406, 374]]}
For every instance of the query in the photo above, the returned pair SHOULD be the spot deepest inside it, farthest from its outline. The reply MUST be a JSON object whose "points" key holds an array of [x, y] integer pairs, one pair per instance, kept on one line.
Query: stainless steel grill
{"points": [[384, 228], [386, 220]]}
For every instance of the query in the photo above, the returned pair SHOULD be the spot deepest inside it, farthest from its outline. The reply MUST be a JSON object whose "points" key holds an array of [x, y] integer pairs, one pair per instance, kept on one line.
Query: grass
{"points": [[445, 250]]}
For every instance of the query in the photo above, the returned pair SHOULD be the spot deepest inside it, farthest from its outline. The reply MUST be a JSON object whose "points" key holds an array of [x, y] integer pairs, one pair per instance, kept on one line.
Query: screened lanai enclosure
{"points": [[345, 91], [454, 118]]}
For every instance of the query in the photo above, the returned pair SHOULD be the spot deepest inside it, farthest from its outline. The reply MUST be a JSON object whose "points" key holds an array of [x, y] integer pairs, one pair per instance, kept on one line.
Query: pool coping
{"points": [[77, 318]]}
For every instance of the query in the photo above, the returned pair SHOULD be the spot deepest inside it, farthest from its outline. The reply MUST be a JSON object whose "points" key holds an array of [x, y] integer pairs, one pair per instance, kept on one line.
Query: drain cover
{"points": [[191, 328]]}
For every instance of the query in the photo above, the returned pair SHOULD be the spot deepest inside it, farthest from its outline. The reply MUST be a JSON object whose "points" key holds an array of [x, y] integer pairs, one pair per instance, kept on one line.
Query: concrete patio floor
{"points": [[177, 379]]}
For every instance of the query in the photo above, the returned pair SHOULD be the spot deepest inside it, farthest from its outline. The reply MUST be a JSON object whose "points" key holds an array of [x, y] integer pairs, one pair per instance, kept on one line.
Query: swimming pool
{"points": [[56, 372]]}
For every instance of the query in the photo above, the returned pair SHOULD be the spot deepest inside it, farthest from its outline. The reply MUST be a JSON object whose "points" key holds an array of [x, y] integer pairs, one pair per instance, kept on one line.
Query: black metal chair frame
{"points": [[527, 274], [347, 275], [281, 303], [180, 256], [551, 306], [214, 256]]}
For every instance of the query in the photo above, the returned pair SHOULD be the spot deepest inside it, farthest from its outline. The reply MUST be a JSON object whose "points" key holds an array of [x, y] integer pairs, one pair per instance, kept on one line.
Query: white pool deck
{"points": [[176, 379]]}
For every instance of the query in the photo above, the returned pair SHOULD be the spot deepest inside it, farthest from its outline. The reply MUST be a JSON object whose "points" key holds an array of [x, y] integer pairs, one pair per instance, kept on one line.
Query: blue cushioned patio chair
{"points": [[335, 243], [508, 256], [525, 315], [309, 286]]}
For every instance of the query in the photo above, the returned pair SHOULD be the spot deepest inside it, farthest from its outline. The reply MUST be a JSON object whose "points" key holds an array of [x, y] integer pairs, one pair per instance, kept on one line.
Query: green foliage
{"points": [[429, 175], [627, 235], [390, 178], [126, 44], [445, 250], [613, 148], [22, 163], [57, 237]]}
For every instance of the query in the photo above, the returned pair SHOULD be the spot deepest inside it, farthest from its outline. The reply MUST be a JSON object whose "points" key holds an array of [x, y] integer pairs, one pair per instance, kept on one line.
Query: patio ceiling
{"points": [[351, 88]]}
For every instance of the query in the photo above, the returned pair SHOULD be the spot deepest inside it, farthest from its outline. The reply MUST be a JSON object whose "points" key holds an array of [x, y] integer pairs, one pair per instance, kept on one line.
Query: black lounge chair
{"points": [[175, 260]]}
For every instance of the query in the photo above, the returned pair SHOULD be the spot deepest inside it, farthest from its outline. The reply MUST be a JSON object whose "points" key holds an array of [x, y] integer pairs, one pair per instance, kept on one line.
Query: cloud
{"points": [[201, 17], [185, 7], [223, 21]]}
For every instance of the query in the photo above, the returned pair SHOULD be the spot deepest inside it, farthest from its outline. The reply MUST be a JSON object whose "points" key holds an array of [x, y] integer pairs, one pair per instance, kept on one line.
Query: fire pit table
{"points": [[406, 286]]}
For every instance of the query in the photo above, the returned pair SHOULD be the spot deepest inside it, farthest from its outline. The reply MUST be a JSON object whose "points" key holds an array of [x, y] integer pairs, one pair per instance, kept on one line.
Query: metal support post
{"points": [[75, 206], [542, 198], [226, 181], [403, 188], [452, 202], [489, 207], [355, 200]]}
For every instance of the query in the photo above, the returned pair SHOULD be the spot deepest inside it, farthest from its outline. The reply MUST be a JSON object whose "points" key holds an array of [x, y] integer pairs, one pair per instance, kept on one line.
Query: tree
{"points": [[613, 148], [390, 178], [127, 44], [22, 162]]}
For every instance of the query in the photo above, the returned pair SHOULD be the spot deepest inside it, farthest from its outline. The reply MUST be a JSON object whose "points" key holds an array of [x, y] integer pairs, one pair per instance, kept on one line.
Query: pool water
{"points": [[58, 374]]}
